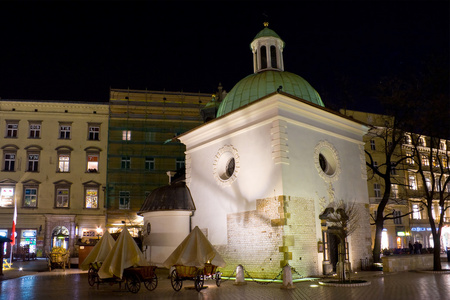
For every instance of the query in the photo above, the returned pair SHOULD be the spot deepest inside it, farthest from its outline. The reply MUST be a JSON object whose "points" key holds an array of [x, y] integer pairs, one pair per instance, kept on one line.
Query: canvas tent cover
{"points": [[99, 252], [124, 254], [194, 251]]}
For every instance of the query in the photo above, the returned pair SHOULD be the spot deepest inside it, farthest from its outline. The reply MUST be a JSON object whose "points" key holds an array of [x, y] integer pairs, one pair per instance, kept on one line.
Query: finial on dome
{"points": [[266, 24]]}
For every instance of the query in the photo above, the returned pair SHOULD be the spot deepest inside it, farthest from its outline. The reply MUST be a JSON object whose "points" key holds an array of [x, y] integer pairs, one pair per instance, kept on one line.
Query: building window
{"points": [[444, 161], [412, 182], [408, 139], [409, 158], [273, 57], [372, 145], [416, 212], [422, 142], [428, 183], [35, 130], [12, 128], [377, 190], [64, 131], [63, 162], [124, 200], [94, 132], [7, 196], [91, 197], [263, 57], [9, 162], [33, 162], [425, 160], [126, 162], [397, 218], [30, 195], [442, 145], [393, 168], [150, 136], [179, 164], [394, 189], [62, 197], [92, 162], [149, 163], [126, 135]]}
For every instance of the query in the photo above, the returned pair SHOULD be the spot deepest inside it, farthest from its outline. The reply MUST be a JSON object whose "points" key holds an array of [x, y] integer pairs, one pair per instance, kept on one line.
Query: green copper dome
{"points": [[267, 32], [256, 86]]}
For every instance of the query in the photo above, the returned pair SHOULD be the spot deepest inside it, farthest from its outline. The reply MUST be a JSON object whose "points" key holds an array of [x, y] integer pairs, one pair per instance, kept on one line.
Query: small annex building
{"points": [[267, 167]]}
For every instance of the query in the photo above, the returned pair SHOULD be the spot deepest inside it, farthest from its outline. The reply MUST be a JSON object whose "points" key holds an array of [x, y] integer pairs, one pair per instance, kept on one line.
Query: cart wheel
{"points": [[218, 279], [133, 283], [92, 276], [151, 283], [176, 281], [199, 280]]}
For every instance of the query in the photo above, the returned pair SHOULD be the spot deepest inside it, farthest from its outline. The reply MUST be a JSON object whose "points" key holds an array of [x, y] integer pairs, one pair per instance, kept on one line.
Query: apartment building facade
{"points": [[407, 187], [54, 166]]}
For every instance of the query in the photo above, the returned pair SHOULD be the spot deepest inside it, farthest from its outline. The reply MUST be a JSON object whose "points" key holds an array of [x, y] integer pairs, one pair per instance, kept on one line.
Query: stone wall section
{"points": [[360, 242]]}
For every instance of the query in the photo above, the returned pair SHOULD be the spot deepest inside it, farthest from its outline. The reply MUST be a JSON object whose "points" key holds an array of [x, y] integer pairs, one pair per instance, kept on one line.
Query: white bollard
{"points": [[240, 278], [287, 278]]}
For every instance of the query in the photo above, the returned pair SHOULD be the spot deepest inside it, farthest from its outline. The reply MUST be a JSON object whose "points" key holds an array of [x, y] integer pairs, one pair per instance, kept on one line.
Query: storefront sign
{"points": [[420, 229]]}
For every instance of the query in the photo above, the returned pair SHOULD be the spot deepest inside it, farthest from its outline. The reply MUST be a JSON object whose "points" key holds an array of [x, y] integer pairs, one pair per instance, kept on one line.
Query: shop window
{"points": [[60, 237]]}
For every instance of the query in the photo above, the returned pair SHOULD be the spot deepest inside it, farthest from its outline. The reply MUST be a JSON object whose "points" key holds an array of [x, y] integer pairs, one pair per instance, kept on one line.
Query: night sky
{"points": [[79, 50]]}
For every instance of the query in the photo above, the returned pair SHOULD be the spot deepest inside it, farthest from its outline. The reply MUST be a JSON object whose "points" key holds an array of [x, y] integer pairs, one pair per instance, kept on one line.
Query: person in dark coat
{"points": [[411, 248]]}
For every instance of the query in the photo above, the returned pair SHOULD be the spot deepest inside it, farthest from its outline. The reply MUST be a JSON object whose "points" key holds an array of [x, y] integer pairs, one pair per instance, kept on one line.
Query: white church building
{"points": [[262, 172]]}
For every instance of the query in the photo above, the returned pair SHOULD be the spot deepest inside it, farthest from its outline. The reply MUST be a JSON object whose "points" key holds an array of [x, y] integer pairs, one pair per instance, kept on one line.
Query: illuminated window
{"points": [[64, 131], [94, 132], [422, 142], [124, 200], [126, 162], [62, 194], [412, 182], [35, 130], [394, 189], [7, 196], [428, 183], [91, 196], [425, 160], [384, 239], [377, 190], [416, 212], [409, 158], [372, 145], [12, 128], [92, 162], [126, 135], [30, 195], [442, 145], [149, 163], [63, 162]]}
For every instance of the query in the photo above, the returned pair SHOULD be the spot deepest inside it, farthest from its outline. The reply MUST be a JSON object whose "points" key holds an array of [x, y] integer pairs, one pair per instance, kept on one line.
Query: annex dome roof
{"points": [[256, 86], [175, 196]]}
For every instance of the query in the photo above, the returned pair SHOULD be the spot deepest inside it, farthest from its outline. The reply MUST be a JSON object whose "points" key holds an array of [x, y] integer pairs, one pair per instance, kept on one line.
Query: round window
{"points": [[226, 165], [327, 160]]}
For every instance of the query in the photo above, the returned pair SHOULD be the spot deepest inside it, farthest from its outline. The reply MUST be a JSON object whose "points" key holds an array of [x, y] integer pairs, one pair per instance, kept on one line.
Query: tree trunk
{"points": [[377, 243], [437, 253]]}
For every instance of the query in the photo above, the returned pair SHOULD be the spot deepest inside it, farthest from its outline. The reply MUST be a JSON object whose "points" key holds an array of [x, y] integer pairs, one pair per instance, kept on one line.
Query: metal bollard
{"points": [[287, 278], [240, 278]]}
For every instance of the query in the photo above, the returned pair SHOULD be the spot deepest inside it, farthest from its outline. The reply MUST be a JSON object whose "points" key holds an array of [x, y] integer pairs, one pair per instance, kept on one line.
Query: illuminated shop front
{"points": [[28, 239], [60, 237], [4, 233]]}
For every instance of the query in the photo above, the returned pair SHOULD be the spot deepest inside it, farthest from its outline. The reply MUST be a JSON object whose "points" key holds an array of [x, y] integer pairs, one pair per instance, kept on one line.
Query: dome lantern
{"points": [[267, 48]]}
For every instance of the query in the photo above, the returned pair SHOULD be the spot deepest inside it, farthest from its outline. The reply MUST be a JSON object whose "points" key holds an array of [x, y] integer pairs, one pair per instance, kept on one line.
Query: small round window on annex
{"points": [[226, 165]]}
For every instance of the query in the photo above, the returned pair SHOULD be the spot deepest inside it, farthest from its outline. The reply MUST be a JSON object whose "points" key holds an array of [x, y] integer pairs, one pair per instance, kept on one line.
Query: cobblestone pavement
{"points": [[73, 284], [69, 285]]}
